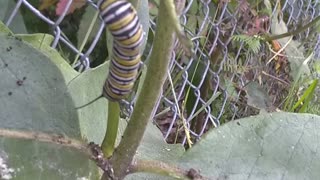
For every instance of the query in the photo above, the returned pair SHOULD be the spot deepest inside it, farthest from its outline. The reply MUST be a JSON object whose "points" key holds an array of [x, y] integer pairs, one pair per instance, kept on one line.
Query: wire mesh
{"points": [[198, 96]]}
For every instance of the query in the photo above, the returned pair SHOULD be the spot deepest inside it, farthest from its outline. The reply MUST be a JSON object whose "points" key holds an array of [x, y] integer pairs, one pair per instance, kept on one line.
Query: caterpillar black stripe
{"points": [[122, 21]]}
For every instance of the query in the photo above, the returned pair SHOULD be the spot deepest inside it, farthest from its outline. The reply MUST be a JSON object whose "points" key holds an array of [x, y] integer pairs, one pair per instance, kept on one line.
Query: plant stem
{"points": [[85, 40], [150, 93], [200, 119], [158, 167], [292, 33], [112, 129], [91, 150], [135, 2], [46, 138]]}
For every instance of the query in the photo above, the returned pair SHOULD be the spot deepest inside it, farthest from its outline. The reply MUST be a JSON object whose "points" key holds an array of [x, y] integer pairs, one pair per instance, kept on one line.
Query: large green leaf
{"points": [[4, 28], [153, 147], [42, 43], [17, 24], [86, 88], [269, 146], [34, 97]]}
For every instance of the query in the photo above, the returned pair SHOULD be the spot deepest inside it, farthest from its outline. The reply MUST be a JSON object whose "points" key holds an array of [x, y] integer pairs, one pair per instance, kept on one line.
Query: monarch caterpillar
{"points": [[122, 21]]}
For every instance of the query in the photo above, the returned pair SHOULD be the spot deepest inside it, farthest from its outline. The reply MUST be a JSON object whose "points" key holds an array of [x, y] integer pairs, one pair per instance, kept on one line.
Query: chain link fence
{"points": [[212, 88]]}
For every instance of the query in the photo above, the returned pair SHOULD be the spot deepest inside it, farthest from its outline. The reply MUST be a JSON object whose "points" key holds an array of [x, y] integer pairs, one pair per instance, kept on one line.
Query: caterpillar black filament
{"points": [[122, 21]]}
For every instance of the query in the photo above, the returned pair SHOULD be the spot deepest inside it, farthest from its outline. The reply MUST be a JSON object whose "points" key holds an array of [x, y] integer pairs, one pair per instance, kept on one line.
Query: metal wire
{"points": [[214, 27]]}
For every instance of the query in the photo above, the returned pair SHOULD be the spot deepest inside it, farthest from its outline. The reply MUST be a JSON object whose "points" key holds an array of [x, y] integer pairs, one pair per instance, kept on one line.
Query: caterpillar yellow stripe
{"points": [[123, 23]]}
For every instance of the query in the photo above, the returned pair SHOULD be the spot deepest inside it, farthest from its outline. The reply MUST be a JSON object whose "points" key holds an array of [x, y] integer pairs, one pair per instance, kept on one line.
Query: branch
{"points": [[164, 169], [292, 33], [91, 150], [48, 138]]}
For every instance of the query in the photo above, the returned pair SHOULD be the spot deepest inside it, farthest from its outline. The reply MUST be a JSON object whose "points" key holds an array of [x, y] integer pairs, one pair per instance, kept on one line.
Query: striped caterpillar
{"points": [[122, 21]]}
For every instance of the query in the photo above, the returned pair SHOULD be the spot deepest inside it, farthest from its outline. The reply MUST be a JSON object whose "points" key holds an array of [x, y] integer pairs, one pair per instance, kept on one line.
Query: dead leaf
{"points": [[76, 4]]}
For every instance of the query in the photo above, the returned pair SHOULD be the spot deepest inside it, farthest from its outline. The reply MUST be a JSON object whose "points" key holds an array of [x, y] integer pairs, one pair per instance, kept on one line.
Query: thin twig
{"points": [[278, 79], [280, 51], [180, 112]]}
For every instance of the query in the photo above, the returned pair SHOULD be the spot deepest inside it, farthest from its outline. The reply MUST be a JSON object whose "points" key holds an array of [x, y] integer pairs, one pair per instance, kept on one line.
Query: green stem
{"points": [[151, 91], [292, 33], [109, 140], [135, 3], [85, 40]]}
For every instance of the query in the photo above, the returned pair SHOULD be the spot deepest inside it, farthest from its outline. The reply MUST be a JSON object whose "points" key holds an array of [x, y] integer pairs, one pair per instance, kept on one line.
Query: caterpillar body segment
{"points": [[123, 23]]}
